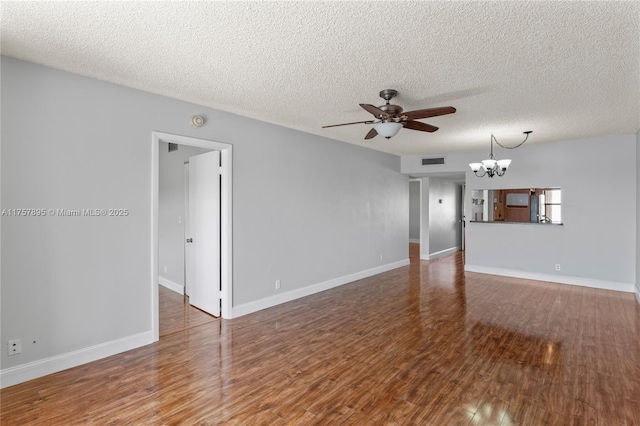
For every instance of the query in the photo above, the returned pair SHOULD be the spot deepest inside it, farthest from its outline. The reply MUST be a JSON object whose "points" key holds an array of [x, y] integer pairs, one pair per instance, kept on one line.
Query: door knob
{"points": [[189, 240]]}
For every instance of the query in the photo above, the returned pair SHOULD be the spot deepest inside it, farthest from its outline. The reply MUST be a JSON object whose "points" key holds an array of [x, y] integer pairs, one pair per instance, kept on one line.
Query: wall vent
{"points": [[432, 161]]}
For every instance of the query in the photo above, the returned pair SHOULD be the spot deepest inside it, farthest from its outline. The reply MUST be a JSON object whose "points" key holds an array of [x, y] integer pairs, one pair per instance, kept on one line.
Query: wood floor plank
{"points": [[176, 314], [426, 344]]}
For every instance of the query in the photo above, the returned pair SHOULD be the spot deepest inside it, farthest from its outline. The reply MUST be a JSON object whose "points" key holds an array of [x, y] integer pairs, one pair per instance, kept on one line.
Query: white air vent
{"points": [[432, 161]]}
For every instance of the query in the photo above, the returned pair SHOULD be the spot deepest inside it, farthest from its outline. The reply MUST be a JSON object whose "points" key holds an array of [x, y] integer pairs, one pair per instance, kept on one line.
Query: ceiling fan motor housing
{"points": [[391, 110]]}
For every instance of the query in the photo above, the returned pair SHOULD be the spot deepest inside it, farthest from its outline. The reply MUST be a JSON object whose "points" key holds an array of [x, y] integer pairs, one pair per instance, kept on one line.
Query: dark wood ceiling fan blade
{"points": [[348, 124], [372, 134], [417, 125], [377, 112], [429, 112]]}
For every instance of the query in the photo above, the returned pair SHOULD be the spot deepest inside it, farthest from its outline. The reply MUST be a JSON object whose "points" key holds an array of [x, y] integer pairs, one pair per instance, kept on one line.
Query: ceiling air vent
{"points": [[432, 161]]}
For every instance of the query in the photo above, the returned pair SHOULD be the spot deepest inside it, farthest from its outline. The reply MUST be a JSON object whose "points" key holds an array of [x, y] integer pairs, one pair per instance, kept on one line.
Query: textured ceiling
{"points": [[565, 70]]}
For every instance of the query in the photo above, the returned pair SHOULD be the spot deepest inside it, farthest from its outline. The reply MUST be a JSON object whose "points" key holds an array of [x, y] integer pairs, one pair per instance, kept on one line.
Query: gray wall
{"points": [[414, 210], [306, 209], [171, 209], [638, 215], [598, 239]]}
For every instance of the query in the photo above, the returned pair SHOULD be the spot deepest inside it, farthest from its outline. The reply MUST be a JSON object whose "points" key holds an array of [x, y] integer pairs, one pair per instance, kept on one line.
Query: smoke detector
{"points": [[197, 121]]}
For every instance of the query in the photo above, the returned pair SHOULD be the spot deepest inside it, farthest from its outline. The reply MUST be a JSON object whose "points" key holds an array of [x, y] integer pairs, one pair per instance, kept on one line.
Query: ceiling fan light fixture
{"points": [[387, 130], [390, 118]]}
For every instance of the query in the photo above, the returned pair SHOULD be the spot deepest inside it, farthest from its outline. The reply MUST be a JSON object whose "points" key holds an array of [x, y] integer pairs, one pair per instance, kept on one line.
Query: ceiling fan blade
{"points": [[416, 125], [429, 112], [372, 134], [348, 124], [377, 112]]}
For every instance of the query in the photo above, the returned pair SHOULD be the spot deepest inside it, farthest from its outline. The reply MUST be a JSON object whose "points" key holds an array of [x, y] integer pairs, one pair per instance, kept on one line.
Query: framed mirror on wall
{"points": [[520, 205]]}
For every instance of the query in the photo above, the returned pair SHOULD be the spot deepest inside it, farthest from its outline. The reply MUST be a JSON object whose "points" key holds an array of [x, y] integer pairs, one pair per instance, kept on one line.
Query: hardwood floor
{"points": [[427, 344], [177, 315], [414, 252]]}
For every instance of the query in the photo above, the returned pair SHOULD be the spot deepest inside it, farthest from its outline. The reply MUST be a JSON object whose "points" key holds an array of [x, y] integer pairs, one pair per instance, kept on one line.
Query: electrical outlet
{"points": [[557, 266], [165, 269], [14, 347], [277, 284], [380, 258]]}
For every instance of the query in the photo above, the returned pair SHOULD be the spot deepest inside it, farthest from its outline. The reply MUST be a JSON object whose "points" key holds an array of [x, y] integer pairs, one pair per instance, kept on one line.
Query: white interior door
{"points": [[203, 237]]}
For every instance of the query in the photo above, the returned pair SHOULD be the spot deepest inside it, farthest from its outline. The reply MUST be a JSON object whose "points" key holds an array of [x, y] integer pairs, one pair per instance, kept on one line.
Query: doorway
{"points": [[225, 152], [415, 200], [415, 209], [441, 213]]}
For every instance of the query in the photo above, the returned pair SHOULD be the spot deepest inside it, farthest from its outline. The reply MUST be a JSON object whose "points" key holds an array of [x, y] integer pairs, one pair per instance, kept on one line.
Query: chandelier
{"points": [[492, 167]]}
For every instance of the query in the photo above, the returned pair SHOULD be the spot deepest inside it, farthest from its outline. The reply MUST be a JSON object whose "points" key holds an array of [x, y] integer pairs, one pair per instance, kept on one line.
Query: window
{"points": [[517, 205], [550, 206]]}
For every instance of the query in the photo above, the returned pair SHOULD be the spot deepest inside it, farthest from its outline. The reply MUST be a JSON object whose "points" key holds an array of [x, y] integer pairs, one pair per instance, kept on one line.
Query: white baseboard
{"points": [[288, 296], [560, 279], [440, 253], [32, 370], [414, 240], [164, 282]]}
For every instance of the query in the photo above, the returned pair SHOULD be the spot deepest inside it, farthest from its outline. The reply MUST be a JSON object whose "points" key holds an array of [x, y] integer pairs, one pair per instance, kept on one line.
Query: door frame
{"points": [[463, 212], [226, 253], [186, 227]]}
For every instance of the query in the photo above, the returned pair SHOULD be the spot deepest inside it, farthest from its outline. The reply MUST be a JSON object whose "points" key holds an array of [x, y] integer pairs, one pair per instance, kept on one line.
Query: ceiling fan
{"points": [[389, 118]]}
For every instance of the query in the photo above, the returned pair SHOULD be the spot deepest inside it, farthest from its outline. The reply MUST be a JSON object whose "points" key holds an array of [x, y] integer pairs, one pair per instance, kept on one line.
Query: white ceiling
{"points": [[565, 70]]}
